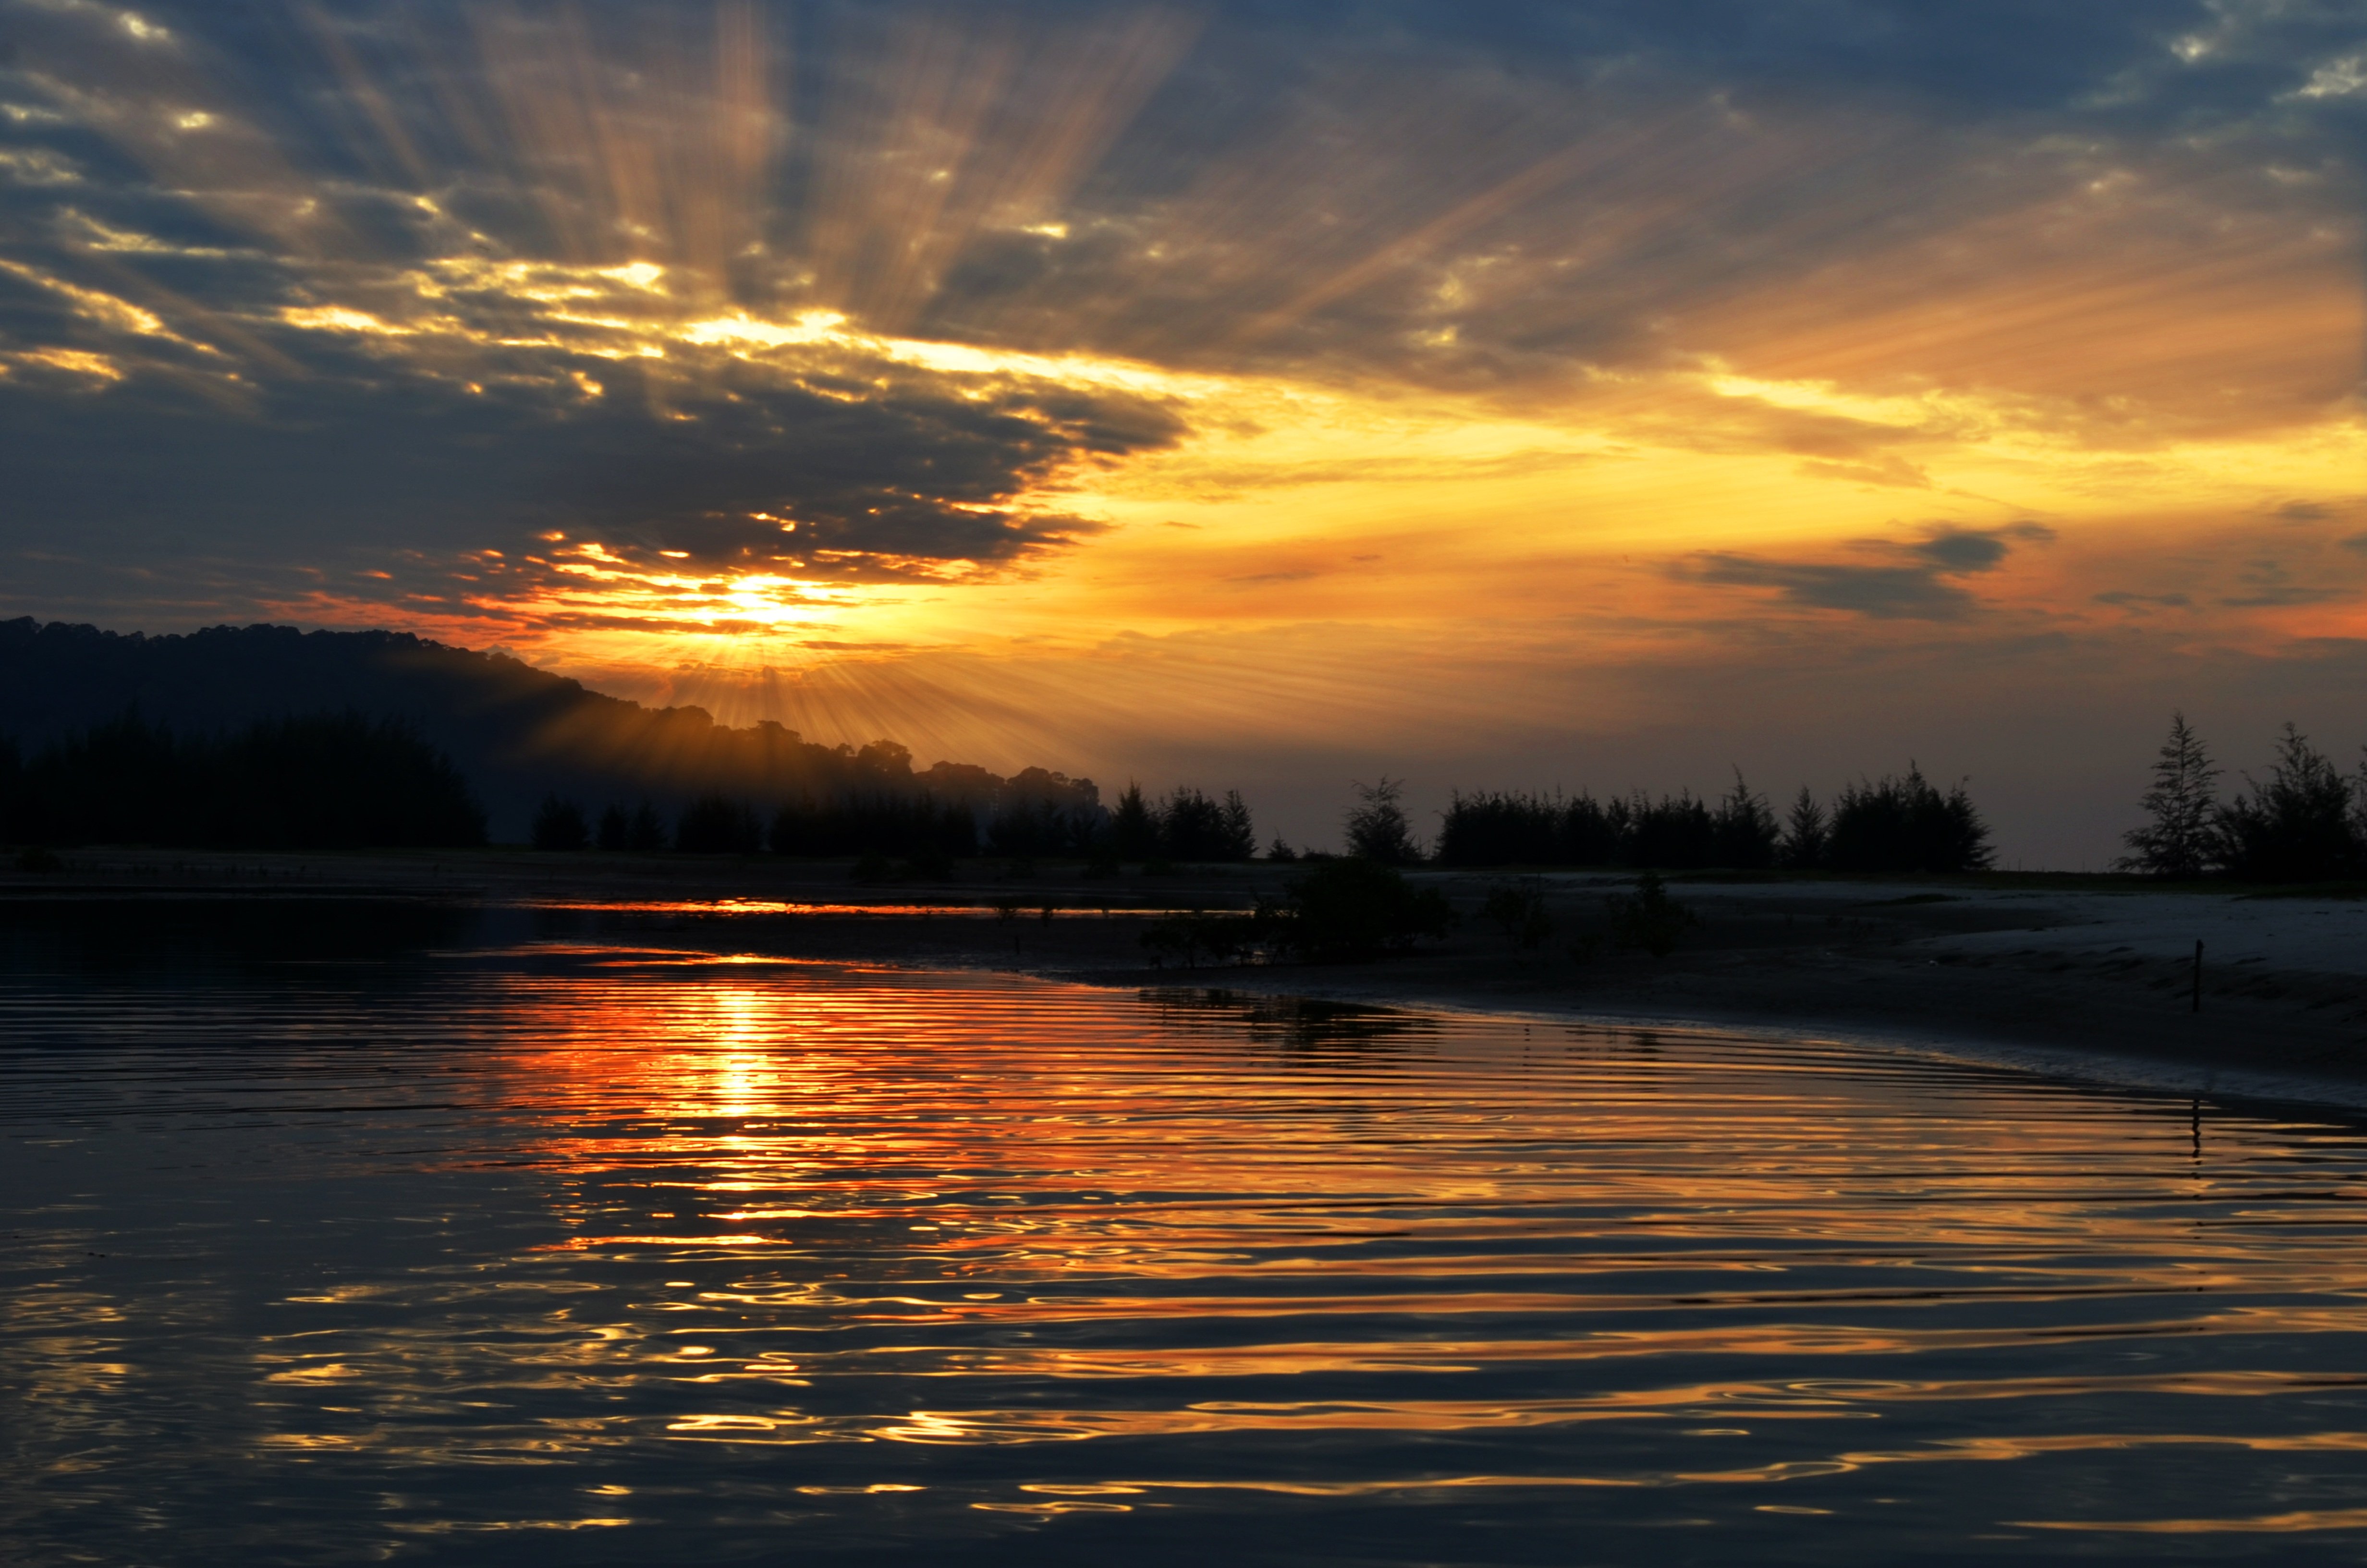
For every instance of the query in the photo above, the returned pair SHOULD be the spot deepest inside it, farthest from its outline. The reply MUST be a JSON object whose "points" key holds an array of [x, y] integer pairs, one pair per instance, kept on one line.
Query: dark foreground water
{"points": [[549, 1250]]}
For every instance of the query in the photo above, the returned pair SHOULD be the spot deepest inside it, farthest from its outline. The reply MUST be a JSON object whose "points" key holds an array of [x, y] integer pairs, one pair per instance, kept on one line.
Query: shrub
{"points": [[1518, 909], [1647, 917], [1354, 908]]}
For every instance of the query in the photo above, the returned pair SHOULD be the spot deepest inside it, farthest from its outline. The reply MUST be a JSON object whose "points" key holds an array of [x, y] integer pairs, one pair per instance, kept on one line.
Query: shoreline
{"points": [[2069, 981]]}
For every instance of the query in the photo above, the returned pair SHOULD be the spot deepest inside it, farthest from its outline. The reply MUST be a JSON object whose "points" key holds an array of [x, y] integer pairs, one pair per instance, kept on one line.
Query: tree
{"points": [[2180, 837], [2296, 826], [559, 825], [1236, 835], [1377, 828], [1133, 831], [718, 825], [1743, 834], [1906, 825], [1803, 833]]}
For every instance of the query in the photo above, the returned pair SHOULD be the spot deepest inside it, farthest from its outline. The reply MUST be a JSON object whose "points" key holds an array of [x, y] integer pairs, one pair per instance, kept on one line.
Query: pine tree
{"points": [[1238, 836], [2180, 837], [1803, 833], [2294, 827], [1133, 830], [1377, 828]]}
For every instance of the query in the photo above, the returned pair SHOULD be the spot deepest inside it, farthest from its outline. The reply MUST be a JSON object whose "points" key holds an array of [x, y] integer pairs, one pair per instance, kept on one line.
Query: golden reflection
{"points": [[886, 1221]]}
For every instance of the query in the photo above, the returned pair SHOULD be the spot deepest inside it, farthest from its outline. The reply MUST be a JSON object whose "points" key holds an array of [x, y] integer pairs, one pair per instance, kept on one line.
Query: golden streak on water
{"points": [[1002, 1248]]}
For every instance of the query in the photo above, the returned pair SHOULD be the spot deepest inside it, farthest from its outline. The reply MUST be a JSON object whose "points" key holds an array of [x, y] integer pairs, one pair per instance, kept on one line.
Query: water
{"points": [[446, 1243]]}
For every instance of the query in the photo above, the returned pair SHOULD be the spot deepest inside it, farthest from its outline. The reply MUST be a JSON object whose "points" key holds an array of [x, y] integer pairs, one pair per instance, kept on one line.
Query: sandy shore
{"points": [[2073, 976]]}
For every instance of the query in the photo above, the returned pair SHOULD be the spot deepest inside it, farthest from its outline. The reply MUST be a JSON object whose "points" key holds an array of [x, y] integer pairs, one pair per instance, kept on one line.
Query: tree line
{"points": [[2306, 822], [1899, 823], [331, 781], [1034, 814]]}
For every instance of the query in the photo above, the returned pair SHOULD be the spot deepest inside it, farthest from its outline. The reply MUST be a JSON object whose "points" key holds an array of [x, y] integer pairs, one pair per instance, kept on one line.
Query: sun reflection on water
{"points": [[979, 1247]]}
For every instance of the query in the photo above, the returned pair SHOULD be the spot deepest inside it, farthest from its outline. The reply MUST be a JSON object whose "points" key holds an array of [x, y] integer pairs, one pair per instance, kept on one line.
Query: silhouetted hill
{"points": [[518, 733]]}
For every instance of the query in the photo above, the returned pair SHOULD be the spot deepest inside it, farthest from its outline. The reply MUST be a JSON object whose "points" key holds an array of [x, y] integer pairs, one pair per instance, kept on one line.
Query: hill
{"points": [[515, 732]]}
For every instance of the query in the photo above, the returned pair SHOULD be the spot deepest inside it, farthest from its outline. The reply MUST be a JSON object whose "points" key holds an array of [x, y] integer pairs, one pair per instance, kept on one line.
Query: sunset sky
{"points": [[1591, 394]]}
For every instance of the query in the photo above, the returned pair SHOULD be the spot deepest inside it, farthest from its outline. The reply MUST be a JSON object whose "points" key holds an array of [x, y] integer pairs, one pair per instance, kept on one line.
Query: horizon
{"points": [[1596, 397], [1317, 833]]}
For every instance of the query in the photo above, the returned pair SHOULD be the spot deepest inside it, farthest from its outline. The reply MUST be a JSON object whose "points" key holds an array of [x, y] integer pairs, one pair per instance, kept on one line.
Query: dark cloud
{"points": [[1485, 198], [2270, 584], [1913, 585], [2123, 599]]}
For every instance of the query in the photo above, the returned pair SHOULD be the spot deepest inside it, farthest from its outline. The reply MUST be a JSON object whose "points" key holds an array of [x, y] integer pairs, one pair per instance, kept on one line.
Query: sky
{"points": [[1587, 395]]}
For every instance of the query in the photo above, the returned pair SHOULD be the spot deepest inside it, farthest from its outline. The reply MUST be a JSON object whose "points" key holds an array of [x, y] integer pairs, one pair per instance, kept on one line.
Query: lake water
{"points": [[407, 1236]]}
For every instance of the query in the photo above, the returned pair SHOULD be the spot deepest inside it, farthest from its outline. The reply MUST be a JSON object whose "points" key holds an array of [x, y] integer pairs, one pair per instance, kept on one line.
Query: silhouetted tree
{"points": [[325, 782], [1280, 852], [1133, 831], [1237, 835], [1676, 832], [1502, 828], [2294, 827], [1377, 828], [1803, 833], [1193, 827], [646, 831], [2180, 837], [615, 829], [718, 825], [559, 825], [1906, 825], [1743, 831]]}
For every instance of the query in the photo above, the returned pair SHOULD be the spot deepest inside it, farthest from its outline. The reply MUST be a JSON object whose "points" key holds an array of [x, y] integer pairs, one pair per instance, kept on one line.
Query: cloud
{"points": [[1888, 470], [2123, 599], [1912, 586], [2269, 584]]}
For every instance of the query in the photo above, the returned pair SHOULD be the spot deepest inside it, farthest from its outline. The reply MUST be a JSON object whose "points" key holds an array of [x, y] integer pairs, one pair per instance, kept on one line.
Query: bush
{"points": [[1223, 938], [1518, 909], [1356, 908], [1649, 918]]}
